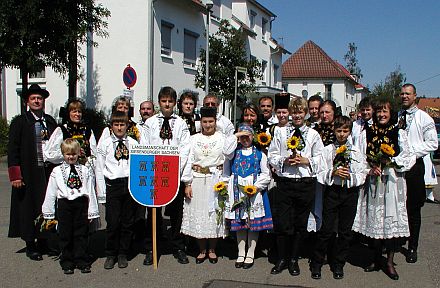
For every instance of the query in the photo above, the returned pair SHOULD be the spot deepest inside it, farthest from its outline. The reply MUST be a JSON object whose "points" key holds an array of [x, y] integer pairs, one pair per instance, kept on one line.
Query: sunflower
{"points": [[219, 186], [250, 190], [263, 139], [80, 137], [387, 149], [341, 149], [293, 142], [50, 224]]}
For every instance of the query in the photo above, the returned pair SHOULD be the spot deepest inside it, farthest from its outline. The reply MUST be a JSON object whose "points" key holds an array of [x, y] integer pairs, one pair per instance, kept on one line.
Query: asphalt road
{"points": [[16, 270]]}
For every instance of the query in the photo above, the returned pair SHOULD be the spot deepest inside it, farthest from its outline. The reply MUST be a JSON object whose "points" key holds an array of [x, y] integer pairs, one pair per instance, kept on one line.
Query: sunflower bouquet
{"points": [[134, 133], [222, 192], [294, 144], [84, 145], [382, 159], [45, 224], [342, 159], [249, 191], [263, 139]]}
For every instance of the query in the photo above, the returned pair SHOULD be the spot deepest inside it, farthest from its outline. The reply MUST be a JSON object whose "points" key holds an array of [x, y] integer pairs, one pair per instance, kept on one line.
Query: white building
{"points": [[310, 71], [161, 40]]}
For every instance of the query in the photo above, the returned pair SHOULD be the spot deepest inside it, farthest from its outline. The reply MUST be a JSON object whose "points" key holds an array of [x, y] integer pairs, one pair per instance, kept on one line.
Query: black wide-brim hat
{"points": [[35, 89], [282, 100]]}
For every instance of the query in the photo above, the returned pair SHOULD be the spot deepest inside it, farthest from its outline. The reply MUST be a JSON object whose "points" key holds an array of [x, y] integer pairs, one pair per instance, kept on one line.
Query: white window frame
{"points": [[252, 18], [189, 62], [264, 23], [166, 51]]}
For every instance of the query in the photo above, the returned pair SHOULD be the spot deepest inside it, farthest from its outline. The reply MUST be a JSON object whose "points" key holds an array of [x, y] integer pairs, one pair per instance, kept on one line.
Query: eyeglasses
{"points": [[210, 104]]}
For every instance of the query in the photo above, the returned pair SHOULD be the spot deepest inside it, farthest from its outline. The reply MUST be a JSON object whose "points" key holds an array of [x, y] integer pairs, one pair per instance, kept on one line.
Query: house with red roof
{"points": [[310, 71]]}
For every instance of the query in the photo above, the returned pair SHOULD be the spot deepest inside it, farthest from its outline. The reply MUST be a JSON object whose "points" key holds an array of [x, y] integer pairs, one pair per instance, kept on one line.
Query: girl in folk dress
{"points": [[201, 218], [381, 212], [248, 212]]}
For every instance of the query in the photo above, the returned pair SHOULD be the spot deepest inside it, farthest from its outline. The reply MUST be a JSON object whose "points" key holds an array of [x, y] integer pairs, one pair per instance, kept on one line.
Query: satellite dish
{"points": [[304, 93]]}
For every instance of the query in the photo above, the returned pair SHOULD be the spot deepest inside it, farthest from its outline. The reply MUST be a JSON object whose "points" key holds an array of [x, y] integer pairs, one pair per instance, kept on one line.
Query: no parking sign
{"points": [[129, 76]]}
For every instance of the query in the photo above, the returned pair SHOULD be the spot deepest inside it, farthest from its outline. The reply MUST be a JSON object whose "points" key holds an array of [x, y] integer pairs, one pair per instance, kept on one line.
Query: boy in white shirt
{"points": [[112, 171], [72, 185]]}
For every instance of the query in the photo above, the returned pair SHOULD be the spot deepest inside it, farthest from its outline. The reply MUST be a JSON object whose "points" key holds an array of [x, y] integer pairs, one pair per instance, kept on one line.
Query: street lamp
{"points": [[209, 4], [243, 70]]}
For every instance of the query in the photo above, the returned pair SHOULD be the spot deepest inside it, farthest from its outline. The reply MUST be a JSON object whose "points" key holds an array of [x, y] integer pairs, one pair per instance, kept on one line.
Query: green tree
{"points": [[39, 33], [227, 49], [351, 61], [390, 88]]}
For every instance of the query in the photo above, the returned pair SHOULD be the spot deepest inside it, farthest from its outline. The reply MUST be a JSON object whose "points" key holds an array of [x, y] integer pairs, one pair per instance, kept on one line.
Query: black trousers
{"points": [[120, 212], [73, 227], [175, 211], [292, 204], [416, 195], [338, 203]]}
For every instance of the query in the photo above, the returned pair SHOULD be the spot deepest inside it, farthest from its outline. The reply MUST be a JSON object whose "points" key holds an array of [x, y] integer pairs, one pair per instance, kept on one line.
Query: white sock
{"points": [[429, 194], [241, 241], [252, 244]]}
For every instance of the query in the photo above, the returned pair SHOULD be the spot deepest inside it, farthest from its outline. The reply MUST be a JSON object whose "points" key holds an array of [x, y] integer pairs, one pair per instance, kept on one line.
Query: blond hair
{"points": [[298, 104], [70, 145]]}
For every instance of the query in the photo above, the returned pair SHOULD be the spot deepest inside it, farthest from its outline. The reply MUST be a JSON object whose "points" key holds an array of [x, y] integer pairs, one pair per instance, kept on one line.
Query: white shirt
{"points": [[358, 127], [52, 150], [278, 153], [421, 131], [357, 167], [208, 151], [57, 189], [224, 125], [107, 166], [150, 135]]}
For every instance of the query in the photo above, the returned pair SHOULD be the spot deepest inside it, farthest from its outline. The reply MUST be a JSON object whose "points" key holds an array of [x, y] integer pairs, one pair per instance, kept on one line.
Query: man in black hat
{"points": [[28, 172]]}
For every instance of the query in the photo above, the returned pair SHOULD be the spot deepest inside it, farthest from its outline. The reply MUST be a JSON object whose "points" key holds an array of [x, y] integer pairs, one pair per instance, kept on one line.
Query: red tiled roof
{"points": [[429, 102], [310, 61]]}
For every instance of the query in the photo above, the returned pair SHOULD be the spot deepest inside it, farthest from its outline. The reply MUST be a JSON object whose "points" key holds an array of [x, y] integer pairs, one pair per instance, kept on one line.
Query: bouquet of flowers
{"points": [[222, 191], [134, 133], [249, 191], [263, 139], [45, 224], [342, 159], [294, 144], [83, 144], [382, 159]]}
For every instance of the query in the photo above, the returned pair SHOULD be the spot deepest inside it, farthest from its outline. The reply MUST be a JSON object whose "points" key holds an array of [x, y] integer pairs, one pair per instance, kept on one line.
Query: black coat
{"points": [[26, 202]]}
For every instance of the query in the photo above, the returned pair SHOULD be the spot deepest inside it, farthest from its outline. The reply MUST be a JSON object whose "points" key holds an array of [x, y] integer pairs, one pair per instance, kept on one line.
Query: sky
{"points": [[387, 33]]}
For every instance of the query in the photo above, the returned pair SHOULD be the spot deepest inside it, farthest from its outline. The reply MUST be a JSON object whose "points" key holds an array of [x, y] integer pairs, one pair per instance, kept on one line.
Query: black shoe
{"points": [[315, 270], [212, 260], [435, 201], [122, 261], [248, 265], [181, 257], [68, 271], [34, 255], [148, 258], [279, 267], [110, 262], [391, 272], [373, 267], [411, 256], [338, 272], [294, 267], [239, 264], [85, 269], [200, 260]]}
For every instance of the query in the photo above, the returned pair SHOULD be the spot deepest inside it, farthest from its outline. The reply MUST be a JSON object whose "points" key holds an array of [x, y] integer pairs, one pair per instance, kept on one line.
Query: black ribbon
{"points": [[165, 130], [73, 182], [121, 151], [402, 120]]}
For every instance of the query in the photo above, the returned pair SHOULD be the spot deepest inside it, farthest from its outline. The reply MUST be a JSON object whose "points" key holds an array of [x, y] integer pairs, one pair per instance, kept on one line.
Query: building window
{"points": [[285, 86], [252, 16], [216, 9], [39, 74], [276, 70], [263, 72], [328, 91], [190, 51], [263, 29], [252, 58], [165, 38]]}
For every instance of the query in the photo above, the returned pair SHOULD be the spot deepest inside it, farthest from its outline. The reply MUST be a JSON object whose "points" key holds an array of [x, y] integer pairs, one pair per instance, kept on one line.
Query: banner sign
{"points": [[154, 174]]}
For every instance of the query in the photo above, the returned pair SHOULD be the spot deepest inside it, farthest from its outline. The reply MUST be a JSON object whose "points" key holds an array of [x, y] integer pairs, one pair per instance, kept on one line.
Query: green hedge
{"points": [[4, 131]]}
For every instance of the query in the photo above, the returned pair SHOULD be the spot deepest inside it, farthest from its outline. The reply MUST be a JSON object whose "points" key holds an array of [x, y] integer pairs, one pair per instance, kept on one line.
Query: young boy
{"points": [[72, 184], [296, 167], [344, 173], [166, 128], [112, 184]]}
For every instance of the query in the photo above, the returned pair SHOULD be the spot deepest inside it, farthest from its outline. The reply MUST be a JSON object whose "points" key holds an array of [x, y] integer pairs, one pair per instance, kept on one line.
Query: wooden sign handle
{"points": [[154, 239]]}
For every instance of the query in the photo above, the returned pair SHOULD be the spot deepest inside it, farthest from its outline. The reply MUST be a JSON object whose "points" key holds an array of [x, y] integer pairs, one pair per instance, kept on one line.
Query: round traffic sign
{"points": [[129, 76]]}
